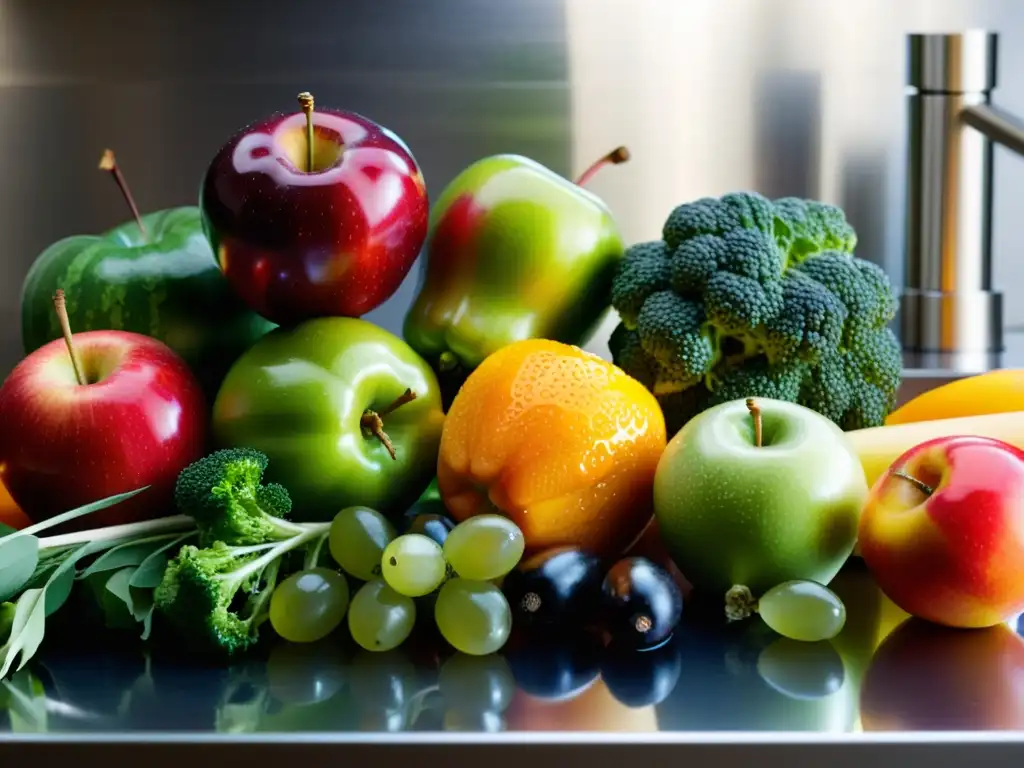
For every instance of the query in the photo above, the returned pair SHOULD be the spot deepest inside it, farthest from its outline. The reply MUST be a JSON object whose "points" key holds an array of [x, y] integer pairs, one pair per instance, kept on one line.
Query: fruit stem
{"points": [[109, 163], [739, 603], [616, 156], [922, 486], [306, 102], [755, 413], [372, 421], [60, 304]]}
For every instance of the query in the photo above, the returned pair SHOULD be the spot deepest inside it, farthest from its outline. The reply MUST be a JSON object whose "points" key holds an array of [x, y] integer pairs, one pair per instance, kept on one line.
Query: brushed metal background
{"points": [[784, 96]]}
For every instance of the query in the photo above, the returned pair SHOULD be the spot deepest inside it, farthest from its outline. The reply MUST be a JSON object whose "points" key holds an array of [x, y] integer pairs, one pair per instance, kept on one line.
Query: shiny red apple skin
{"points": [[335, 242], [956, 557], [63, 445]]}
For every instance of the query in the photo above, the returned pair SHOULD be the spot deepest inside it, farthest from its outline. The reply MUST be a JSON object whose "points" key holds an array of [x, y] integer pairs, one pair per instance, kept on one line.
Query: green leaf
{"points": [[132, 553], [143, 605], [65, 517], [117, 585], [150, 572], [26, 703], [6, 529], [6, 620], [18, 559], [27, 631]]}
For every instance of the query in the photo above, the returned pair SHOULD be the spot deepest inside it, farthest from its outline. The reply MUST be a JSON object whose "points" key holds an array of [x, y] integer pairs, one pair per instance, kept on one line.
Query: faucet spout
{"points": [[1000, 126]]}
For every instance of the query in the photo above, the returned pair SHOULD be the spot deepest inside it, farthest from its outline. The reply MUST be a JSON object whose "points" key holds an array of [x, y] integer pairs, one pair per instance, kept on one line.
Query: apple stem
{"points": [[60, 304], [306, 102], [739, 603], [755, 413], [922, 486], [109, 163], [616, 156], [374, 423]]}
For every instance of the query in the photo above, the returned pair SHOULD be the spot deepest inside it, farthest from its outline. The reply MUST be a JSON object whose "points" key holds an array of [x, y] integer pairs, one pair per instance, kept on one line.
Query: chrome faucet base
{"points": [[958, 330]]}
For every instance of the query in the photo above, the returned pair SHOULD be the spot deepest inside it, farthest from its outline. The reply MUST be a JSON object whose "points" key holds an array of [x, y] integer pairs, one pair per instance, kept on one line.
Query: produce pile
{"points": [[220, 447]]}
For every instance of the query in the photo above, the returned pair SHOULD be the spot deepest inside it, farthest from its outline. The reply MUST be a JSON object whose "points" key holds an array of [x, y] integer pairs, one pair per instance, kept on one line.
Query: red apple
{"points": [[331, 238], [942, 531], [139, 419]]}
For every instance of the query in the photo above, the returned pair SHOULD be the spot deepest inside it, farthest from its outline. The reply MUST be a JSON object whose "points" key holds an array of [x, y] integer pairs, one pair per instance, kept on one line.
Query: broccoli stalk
{"points": [[217, 594]]}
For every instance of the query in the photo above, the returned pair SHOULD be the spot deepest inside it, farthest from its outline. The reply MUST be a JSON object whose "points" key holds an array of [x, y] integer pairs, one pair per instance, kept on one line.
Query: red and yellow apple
{"points": [[942, 531], [125, 413]]}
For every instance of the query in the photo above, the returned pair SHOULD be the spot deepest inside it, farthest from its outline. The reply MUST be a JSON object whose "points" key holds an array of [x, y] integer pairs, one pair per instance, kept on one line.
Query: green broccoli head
{"points": [[217, 596], [224, 493], [748, 297]]}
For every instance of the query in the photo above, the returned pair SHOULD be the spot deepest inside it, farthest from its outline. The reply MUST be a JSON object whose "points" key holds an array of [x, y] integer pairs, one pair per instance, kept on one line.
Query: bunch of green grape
{"points": [[433, 563]]}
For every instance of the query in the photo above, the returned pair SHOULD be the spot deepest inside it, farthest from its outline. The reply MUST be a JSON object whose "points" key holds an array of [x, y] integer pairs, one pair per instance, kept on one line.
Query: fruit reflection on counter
{"points": [[748, 297], [96, 414], [154, 275], [754, 493], [560, 441], [941, 532], [925, 677], [314, 213], [515, 251], [347, 413]]}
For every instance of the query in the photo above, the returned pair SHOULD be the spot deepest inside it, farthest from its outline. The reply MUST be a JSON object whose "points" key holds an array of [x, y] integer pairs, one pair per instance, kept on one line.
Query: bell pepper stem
{"points": [[755, 413], [373, 421], [616, 156], [60, 305], [306, 103], [109, 163]]}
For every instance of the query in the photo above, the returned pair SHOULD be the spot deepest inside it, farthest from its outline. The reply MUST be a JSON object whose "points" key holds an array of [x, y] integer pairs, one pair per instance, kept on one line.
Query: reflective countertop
{"points": [[884, 673]]}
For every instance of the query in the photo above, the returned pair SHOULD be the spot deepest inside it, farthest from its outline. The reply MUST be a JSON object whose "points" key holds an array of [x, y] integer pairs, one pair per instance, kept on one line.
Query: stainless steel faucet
{"points": [[950, 315]]}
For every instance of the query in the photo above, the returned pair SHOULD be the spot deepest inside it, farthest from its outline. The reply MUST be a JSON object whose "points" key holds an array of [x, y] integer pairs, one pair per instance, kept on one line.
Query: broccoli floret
{"points": [[224, 494], [762, 299], [674, 332], [217, 596], [644, 272], [813, 227]]}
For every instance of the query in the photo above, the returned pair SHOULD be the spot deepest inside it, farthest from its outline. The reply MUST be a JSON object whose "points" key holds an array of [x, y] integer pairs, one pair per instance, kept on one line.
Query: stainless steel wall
{"points": [[784, 96]]}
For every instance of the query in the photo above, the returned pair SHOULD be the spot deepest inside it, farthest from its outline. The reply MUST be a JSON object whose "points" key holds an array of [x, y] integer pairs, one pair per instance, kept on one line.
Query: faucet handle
{"points": [[962, 62]]}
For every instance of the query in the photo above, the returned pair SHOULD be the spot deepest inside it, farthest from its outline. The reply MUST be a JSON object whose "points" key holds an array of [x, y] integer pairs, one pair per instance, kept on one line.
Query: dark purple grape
{"points": [[559, 586], [641, 604], [433, 526]]}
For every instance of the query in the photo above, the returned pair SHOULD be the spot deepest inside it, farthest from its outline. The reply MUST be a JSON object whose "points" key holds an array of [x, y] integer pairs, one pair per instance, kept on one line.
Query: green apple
{"points": [[346, 412], [754, 493], [514, 251]]}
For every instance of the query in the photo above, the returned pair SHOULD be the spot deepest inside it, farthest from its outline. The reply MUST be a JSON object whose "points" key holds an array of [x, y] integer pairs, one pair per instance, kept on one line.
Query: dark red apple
{"points": [[138, 420], [301, 234]]}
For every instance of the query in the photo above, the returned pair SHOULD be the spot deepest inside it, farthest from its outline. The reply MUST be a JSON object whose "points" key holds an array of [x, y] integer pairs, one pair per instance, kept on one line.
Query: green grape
{"points": [[413, 565], [802, 671], [358, 537], [309, 605], [484, 547], [473, 722], [379, 618], [803, 610], [473, 616], [476, 683]]}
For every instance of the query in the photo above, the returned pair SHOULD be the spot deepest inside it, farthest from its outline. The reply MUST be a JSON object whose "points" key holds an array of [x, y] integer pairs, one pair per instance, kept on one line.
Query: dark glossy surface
{"points": [[881, 674], [337, 239]]}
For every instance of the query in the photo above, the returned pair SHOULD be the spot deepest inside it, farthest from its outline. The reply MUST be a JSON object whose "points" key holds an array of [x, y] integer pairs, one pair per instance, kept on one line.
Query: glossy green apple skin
{"points": [[733, 513], [298, 396], [514, 251], [169, 287]]}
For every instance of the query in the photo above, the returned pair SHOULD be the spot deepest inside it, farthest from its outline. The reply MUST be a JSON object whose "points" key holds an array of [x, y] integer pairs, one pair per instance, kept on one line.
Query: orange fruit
{"points": [[10, 512], [560, 441]]}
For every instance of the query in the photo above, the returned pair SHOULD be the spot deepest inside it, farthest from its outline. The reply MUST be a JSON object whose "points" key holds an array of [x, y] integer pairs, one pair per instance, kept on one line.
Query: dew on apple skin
{"points": [[803, 610]]}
